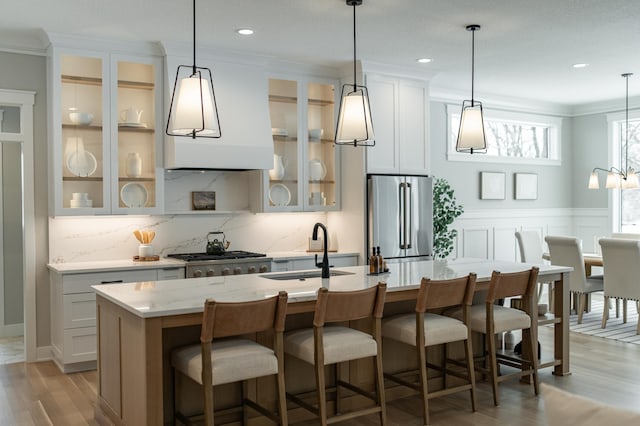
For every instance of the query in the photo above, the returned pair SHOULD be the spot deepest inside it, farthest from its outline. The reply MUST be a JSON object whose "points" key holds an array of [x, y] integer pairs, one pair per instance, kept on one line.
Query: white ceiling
{"points": [[525, 48]]}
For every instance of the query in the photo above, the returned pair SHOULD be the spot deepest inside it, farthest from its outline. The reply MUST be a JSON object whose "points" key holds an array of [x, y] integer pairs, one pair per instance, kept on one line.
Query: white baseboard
{"points": [[12, 330], [43, 353]]}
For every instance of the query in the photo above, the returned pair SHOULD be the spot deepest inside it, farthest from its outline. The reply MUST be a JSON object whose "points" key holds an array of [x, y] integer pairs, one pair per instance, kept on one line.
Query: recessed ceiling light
{"points": [[579, 65], [424, 60], [244, 31]]}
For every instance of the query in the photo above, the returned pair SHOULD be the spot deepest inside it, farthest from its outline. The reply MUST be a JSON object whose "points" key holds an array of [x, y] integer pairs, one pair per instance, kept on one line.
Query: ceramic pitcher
{"points": [[277, 173]]}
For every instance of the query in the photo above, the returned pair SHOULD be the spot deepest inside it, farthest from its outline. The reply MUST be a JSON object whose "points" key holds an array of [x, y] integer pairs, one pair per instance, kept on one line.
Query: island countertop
{"points": [[175, 297]]}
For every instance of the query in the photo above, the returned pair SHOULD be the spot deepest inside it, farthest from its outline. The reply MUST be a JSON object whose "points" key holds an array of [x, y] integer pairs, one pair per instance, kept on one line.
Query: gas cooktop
{"points": [[232, 254]]}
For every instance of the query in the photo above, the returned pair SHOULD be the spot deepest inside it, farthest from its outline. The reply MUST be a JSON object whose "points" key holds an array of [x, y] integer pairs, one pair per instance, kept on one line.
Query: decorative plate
{"points": [[279, 195], [133, 195]]}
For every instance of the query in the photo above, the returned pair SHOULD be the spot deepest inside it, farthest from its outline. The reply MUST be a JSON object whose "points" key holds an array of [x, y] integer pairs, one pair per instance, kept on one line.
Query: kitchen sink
{"points": [[302, 275]]}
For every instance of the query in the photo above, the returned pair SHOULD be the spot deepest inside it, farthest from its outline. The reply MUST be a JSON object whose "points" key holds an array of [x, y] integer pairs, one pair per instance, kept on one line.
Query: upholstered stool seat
{"points": [[504, 318], [340, 344], [438, 329]]}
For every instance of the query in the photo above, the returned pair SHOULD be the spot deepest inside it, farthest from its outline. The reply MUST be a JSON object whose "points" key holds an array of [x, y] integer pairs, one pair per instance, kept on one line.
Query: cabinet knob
{"points": [[211, 272], [263, 268], [252, 269], [237, 270], [197, 273], [226, 271]]}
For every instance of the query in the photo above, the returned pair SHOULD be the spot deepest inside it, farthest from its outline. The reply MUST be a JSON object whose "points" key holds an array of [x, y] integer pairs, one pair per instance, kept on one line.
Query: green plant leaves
{"points": [[445, 212]]}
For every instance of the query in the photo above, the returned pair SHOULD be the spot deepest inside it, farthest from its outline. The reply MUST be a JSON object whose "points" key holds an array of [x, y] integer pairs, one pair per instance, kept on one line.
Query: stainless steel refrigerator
{"points": [[400, 216]]}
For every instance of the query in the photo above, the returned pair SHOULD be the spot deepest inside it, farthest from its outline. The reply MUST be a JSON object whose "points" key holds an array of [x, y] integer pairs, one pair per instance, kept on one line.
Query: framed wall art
{"points": [[492, 185], [526, 186], [203, 200]]}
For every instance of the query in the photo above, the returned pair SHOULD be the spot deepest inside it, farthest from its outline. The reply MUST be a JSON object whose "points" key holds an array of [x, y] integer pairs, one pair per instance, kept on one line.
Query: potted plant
{"points": [[445, 211]]}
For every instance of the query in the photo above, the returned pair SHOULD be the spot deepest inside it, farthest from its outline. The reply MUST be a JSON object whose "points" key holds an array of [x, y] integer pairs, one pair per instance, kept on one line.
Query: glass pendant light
{"points": [[471, 136], [193, 111], [354, 117], [619, 178]]}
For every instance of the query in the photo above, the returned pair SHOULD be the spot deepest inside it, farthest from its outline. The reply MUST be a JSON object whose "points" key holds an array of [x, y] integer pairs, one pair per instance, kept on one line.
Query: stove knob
{"points": [[226, 271], [263, 268], [211, 272], [237, 270], [252, 269], [197, 273]]}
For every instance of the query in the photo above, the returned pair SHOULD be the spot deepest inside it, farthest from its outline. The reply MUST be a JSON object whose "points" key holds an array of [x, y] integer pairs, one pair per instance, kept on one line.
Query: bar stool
{"points": [[422, 330], [492, 319], [224, 357], [336, 344]]}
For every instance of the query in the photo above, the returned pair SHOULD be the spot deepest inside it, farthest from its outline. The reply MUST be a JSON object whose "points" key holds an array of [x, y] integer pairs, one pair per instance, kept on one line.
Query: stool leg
{"points": [[527, 339], [422, 368], [322, 396], [468, 351], [380, 386], [338, 376], [493, 365]]}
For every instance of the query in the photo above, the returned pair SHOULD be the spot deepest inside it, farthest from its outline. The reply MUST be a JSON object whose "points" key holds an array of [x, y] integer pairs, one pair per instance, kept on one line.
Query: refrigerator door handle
{"points": [[408, 226], [401, 212]]}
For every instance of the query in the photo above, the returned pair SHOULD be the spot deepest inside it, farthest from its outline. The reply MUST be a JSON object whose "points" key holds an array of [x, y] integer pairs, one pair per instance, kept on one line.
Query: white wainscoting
{"points": [[490, 234]]}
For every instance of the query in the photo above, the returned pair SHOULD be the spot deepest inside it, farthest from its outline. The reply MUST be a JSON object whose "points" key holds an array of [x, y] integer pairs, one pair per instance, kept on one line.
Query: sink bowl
{"points": [[302, 275]]}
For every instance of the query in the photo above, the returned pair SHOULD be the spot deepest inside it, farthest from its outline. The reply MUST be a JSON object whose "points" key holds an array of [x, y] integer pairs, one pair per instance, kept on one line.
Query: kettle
{"points": [[216, 246]]}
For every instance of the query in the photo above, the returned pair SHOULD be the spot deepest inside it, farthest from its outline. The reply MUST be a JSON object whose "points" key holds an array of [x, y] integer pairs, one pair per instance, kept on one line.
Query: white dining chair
{"points": [[530, 245], [621, 260], [567, 251]]}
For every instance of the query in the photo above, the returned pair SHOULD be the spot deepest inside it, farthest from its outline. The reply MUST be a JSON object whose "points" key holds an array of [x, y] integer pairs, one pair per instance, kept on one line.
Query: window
{"points": [[628, 200], [512, 137]]}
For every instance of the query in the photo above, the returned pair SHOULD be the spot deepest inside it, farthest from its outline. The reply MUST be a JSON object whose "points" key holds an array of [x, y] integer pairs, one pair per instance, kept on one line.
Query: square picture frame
{"points": [[492, 185], [525, 186], [203, 200]]}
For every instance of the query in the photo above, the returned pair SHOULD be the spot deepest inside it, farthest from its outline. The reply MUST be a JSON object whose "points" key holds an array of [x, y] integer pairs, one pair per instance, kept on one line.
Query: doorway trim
{"points": [[25, 101]]}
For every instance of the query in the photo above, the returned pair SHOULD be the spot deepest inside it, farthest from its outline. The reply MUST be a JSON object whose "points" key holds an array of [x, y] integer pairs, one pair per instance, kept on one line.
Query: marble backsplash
{"points": [[91, 238]]}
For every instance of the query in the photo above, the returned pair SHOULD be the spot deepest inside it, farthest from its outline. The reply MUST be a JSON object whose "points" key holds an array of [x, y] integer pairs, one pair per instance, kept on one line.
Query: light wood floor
{"points": [[38, 394]]}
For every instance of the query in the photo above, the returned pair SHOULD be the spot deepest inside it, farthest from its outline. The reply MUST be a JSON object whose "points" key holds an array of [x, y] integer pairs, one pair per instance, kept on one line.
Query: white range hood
{"points": [[241, 91]]}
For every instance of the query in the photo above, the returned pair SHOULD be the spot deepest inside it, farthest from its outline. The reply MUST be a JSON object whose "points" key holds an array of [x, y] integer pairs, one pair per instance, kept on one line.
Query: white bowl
{"points": [[74, 204], [81, 118]]}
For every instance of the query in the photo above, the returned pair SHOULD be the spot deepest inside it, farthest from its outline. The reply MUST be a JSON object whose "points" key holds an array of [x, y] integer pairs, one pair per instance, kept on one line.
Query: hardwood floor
{"points": [[39, 394]]}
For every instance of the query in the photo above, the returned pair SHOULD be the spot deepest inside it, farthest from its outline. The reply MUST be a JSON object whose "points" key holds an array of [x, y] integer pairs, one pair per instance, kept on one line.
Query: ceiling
{"points": [[525, 48]]}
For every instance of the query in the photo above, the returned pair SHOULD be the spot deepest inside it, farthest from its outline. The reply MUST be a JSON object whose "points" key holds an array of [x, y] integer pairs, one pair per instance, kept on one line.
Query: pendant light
{"points": [[193, 111], [623, 178], [354, 117], [471, 137]]}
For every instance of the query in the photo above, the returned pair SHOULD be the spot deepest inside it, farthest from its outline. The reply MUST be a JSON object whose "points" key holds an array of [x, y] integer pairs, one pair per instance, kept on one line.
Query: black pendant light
{"points": [[354, 117], [623, 178], [471, 136], [193, 111]]}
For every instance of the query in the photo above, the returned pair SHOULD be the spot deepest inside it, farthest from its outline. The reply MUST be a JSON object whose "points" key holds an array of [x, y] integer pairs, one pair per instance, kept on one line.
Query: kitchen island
{"points": [[140, 323]]}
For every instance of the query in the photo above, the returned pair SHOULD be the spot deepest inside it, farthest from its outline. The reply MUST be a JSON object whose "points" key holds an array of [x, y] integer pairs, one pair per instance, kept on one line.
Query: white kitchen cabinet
{"points": [[73, 312], [400, 111], [306, 165], [309, 262], [111, 155]]}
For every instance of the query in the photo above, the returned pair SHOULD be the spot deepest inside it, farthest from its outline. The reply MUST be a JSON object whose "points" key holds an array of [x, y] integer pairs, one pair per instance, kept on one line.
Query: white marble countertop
{"points": [[164, 262], [113, 265], [175, 297]]}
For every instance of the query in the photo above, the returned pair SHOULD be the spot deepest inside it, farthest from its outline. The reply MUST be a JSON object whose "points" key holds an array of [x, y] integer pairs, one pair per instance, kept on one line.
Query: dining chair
{"points": [[567, 251], [492, 319], [425, 329], [625, 235], [333, 341], [225, 355], [621, 260], [530, 245]]}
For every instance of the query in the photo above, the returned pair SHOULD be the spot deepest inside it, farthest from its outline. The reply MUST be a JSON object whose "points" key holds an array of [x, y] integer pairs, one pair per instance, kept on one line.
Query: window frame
{"points": [[554, 124]]}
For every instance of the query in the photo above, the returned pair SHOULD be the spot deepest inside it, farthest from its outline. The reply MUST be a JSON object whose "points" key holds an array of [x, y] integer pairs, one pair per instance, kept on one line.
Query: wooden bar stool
{"points": [[224, 357], [492, 319], [429, 329], [336, 344]]}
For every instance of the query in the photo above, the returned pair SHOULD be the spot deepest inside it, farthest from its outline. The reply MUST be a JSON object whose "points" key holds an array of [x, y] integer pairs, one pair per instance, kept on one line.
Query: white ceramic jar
{"points": [[134, 165]]}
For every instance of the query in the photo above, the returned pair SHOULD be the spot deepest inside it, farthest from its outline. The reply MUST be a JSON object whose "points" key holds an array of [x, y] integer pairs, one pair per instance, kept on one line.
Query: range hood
{"points": [[241, 91]]}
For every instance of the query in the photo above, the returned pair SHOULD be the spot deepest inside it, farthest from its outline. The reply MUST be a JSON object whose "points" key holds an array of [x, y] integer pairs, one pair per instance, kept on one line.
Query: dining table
{"points": [[590, 260]]}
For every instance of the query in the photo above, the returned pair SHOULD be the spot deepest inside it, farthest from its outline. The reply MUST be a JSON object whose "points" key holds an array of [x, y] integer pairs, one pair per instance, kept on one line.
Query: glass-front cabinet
{"points": [[104, 109], [306, 164]]}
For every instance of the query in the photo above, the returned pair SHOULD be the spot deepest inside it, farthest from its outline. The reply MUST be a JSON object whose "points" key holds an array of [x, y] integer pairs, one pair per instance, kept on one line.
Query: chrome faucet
{"points": [[325, 257]]}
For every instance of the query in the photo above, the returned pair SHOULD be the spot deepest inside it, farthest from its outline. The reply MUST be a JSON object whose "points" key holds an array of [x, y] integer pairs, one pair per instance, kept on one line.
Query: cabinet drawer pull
{"points": [[111, 282]]}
